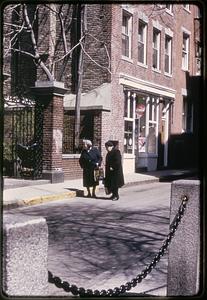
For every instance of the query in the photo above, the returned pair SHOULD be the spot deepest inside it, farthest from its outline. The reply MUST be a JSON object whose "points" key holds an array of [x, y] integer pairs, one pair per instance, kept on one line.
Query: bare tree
{"points": [[52, 53]]}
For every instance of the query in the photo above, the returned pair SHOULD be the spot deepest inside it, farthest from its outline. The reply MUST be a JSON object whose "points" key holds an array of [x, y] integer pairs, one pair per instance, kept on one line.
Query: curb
{"points": [[39, 200]]}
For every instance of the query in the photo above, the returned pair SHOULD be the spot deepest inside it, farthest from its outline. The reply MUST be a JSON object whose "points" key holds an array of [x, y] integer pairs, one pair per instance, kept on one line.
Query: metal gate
{"points": [[22, 139]]}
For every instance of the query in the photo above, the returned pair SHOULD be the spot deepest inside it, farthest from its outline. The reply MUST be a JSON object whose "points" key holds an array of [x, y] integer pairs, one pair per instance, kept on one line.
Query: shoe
{"points": [[88, 196], [94, 196], [115, 198], [112, 197]]}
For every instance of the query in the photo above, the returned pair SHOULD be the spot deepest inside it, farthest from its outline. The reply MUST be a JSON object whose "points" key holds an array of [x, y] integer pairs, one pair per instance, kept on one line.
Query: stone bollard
{"points": [[25, 246], [184, 250]]}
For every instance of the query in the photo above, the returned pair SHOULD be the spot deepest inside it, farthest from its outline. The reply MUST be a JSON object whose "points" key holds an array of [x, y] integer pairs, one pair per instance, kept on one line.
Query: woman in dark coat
{"points": [[90, 159], [114, 178]]}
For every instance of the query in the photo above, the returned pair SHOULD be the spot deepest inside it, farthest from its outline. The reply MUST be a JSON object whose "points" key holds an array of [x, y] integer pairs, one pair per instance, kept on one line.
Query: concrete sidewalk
{"points": [[20, 192]]}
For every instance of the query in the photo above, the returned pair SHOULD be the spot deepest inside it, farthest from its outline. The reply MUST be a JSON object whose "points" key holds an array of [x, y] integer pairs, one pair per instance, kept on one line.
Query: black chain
{"points": [[130, 284]]}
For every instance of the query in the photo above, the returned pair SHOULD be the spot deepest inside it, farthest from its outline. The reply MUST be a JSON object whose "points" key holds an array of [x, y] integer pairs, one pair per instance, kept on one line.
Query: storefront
{"points": [[147, 114]]}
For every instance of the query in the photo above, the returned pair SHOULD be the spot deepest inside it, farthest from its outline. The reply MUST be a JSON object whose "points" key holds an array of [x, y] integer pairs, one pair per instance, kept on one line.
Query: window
{"points": [[141, 123], [126, 34], [187, 115], [198, 57], [169, 8], [153, 126], [142, 42], [156, 49], [168, 54], [128, 123], [185, 51]]}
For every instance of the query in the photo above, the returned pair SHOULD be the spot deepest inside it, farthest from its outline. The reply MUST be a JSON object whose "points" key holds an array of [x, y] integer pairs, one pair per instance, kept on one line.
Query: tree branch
{"points": [[61, 58], [94, 60], [36, 53]]}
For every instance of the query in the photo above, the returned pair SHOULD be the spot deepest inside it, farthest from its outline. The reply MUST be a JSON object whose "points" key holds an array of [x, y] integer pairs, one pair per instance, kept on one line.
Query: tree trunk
{"points": [[80, 76]]}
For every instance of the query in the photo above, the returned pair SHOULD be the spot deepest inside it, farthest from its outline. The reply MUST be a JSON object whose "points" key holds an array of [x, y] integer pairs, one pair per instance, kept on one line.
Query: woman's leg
{"points": [[93, 191], [115, 193], [89, 192]]}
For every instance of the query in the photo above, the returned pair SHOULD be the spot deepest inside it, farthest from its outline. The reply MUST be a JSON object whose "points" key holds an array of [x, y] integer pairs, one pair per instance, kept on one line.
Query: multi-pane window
{"points": [[129, 124], [142, 42], [126, 34], [187, 115], [185, 51], [153, 126], [168, 54], [156, 49], [198, 58]]}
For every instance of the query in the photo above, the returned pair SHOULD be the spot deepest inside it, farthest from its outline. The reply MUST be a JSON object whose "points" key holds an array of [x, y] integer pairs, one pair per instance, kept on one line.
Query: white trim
{"points": [[128, 8], [169, 12], [142, 65], [168, 74], [166, 134], [126, 58], [146, 86], [157, 25], [169, 32], [187, 9], [156, 70], [184, 92], [143, 17], [185, 30]]}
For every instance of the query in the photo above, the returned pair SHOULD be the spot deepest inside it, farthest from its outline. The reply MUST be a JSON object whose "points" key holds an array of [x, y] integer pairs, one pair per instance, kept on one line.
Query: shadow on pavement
{"points": [[104, 247]]}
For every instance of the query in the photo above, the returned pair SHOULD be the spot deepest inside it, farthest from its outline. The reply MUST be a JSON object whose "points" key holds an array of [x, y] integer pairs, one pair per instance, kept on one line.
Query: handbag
{"points": [[98, 174]]}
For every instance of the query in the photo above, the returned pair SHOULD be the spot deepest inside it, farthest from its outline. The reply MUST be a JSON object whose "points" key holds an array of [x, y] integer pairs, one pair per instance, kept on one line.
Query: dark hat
{"points": [[109, 144]]}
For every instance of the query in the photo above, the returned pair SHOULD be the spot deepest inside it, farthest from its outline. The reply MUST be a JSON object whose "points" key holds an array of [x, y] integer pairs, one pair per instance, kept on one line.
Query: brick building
{"points": [[141, 77]]}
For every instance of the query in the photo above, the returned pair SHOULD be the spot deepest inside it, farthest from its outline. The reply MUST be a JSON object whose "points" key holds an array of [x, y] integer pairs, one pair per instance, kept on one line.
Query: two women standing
{"points": [[91, 159]]}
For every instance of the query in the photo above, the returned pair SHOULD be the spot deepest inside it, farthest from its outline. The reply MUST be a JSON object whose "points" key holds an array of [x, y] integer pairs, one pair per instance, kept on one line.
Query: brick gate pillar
{"points": [[50, 95]]}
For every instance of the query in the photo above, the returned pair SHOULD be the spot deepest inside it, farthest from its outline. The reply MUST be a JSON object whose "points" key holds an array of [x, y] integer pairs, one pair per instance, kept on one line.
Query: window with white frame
{"points": [[153, 125], [156, 49], [187, 115], [185, 51], [129, 123], [198, 51], [142, 42], [169, 8], [126, 34], [168, 54]]}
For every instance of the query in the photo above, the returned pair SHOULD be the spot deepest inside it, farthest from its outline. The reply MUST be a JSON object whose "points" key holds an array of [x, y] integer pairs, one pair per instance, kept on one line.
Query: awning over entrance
{"points": [[99, 98]]}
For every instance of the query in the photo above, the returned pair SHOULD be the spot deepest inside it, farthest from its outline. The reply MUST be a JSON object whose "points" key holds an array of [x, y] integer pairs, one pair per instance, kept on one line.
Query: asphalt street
{"points": [[99, 243]]}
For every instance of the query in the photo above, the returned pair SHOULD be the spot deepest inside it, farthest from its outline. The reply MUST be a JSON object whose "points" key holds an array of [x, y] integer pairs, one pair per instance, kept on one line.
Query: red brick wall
{"points": [[52, 126], [71, 168]]}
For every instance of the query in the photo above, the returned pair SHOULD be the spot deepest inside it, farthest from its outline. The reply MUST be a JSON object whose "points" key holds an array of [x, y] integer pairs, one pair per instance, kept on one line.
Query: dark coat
{"points": [[88, 162], [113, 178]]}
